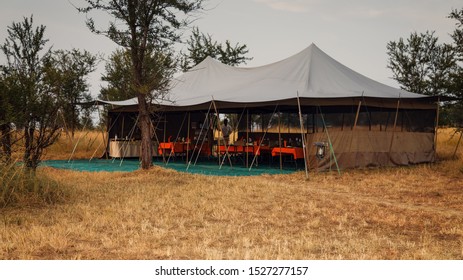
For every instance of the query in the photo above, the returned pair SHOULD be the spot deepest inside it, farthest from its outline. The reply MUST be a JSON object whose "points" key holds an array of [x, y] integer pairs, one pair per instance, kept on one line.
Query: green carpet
{"points": [[128, 165]]}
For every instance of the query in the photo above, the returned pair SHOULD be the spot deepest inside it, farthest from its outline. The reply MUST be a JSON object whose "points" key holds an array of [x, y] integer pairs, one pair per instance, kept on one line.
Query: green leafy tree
{"points": [[37, 106], [201, 45], [456, 112], [144, 28], [420, 64], [118, 77], [160, 66], [66, 76]]}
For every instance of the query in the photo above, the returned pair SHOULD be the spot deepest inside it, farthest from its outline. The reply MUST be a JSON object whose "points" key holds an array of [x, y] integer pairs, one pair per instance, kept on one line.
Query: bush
{"points": [[21, 187]]}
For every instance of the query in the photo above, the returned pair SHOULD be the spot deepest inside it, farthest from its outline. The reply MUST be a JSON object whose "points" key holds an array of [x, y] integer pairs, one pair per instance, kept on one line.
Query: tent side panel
{"points": [[361, 149]]}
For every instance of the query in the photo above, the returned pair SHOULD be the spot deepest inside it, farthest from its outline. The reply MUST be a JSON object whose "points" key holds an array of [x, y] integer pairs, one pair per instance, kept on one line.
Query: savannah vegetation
{"points": [[411, 212]]}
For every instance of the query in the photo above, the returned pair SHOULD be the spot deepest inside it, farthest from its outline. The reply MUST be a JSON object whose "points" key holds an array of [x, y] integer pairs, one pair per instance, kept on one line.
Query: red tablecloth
{"points": [[296, 152]]}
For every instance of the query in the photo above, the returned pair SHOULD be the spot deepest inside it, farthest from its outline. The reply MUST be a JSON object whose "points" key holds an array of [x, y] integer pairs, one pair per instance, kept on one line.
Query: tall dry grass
{"points": [[392, 213], [84, 144], [20, 187]]}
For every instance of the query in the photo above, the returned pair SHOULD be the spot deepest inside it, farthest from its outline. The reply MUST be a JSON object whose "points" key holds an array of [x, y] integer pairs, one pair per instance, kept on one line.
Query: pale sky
{"points": [[354, 32]]}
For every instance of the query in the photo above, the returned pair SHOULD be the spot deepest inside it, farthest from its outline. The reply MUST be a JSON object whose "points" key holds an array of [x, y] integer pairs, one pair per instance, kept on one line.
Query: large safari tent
{"points": [[282, 113]]}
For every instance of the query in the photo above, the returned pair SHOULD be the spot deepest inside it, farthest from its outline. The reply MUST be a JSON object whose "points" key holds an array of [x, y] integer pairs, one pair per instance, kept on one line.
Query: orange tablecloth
{"points": [[175, 148], [296, 152]]}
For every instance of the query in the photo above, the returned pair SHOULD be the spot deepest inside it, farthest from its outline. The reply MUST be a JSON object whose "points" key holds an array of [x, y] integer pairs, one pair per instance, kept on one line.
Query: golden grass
{"points": [[84, 144], [393, 213]]}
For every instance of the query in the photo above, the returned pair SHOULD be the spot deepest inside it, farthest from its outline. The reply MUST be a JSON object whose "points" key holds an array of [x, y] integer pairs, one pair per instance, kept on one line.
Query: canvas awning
{"points": [[317, 78]]}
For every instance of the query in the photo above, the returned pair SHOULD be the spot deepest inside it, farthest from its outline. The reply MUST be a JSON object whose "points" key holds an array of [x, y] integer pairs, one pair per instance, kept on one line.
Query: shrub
{"points": [[21, 187]]}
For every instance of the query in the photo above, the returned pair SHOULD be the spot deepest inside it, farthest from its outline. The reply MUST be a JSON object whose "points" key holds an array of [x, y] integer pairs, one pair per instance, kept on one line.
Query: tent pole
{"points": [[247, 138], [109, 128], [65, 126], [394, 127], [102, 134], [172, 151], [436, 128], [164, 138], [357, 115], [188, 137], [155, 128], [206, 121], [279, 139], [123, 124], [303, 137], [354, 127], [263, 136], [329, 140], [132, 130], [307, 144], [78, 140], [236, 128], [458, 144], [221, 133]]}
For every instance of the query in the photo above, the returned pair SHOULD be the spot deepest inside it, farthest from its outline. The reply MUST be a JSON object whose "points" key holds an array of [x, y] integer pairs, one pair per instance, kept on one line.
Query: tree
{"points": [[201, 45], [160, 66], [422, 65], [27, 61], [143, 28], [456, 114], [118, 77], [66, 77]]}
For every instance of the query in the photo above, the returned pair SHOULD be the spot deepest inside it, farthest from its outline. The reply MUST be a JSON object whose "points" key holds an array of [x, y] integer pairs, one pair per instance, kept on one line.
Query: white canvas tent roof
{"points": [[311, 74]]}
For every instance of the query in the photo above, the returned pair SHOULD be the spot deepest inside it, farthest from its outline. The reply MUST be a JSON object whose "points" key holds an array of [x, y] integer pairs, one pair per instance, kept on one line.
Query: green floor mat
{"points": [[128, 165]]}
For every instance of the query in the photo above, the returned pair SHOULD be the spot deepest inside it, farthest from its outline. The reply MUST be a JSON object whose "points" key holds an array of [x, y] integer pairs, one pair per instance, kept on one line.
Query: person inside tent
{"points": [[226, 131]]}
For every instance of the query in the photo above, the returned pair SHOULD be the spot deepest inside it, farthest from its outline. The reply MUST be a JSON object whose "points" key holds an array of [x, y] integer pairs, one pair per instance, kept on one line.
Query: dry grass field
{"points": [[394, 213]]}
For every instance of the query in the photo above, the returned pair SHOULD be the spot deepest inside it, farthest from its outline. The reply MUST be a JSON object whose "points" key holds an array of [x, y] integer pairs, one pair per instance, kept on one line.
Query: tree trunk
{"points": [[144, 122]]}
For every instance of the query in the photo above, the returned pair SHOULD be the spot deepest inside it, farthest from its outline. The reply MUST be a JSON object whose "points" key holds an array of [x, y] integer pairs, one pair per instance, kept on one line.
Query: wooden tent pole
{"points": [[303, 137], [279, 139], [78, 140], [123, 124], [394, 127], [458, 144], [221, 133], [354, 127], [132, 130], [329, 141], [357, 115], [206, 121], [172, 151], [164, 137], [247, 138], [188, 138], [436, 128], [102, 134], [263, 136]]}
